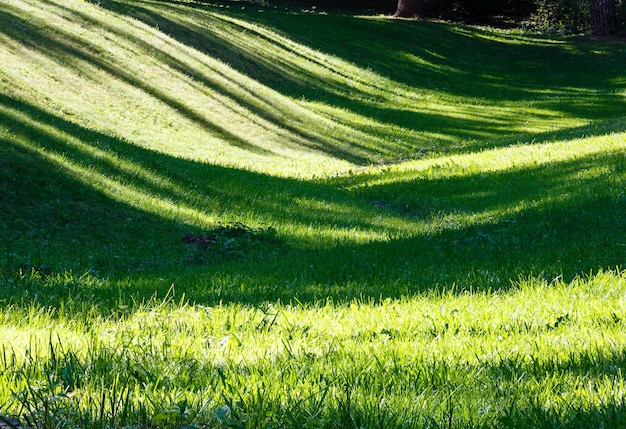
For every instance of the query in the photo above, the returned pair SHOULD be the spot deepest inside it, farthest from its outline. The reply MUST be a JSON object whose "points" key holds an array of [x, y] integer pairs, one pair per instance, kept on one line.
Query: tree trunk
{"points": [[603, 17], [408, 8]]}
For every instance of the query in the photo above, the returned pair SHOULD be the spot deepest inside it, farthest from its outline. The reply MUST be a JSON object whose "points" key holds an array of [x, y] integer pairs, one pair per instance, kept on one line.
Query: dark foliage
{"points": [[232, 240], [575, 16], [470, 10], [478, 10], [550, 16]]}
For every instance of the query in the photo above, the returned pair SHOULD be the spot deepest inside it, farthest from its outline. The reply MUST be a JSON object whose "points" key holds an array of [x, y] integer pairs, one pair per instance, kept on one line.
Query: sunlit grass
{"points": [[317, 114], [258, 217], [539, 355]]}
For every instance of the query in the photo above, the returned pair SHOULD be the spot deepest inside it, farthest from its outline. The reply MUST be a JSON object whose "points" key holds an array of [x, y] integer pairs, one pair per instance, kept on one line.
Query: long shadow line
{"points": [[177, 180], [269, 110], [176, 28], [574, 226], [368, 110], [72, 57], [305, 137], [459, 50]]}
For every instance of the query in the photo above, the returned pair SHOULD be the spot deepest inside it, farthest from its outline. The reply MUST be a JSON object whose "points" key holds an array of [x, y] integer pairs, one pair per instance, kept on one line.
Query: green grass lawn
{"points": [[249, 216]]}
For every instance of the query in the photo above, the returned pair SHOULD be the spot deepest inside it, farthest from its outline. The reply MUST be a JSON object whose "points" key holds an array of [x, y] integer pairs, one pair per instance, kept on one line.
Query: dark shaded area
{"points": [[494, 12], [567, 223], [562, 78], [232, 241], [564, 230], [483, 11]]}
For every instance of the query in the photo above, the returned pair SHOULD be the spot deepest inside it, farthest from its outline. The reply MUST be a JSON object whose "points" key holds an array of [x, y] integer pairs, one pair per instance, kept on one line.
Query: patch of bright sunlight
{"points": [[155, 92], [118, 76], [210, 334], [38, 334], [528, 154], [111, 185]]}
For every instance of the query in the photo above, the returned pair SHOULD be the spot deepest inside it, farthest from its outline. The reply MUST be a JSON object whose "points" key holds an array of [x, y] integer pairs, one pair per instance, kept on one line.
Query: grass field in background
{"points": [[245, 215]]}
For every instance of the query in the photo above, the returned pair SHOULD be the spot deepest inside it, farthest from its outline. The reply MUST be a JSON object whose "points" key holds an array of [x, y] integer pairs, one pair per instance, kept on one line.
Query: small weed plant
{"points": [[227, 241]]}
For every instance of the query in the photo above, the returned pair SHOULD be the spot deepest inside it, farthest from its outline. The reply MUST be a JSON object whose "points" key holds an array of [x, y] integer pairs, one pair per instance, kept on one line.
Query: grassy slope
{"points": [[128, 124]]}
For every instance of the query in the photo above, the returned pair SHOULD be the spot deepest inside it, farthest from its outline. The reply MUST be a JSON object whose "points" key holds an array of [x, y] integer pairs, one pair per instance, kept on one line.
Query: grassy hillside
{"points": [[244, 215]]}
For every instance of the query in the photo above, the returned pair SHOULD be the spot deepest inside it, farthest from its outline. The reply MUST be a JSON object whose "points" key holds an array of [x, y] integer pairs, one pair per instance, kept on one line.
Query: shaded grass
{"points": [[478, 283], [473, 221], [420, 77], [512, 359]]}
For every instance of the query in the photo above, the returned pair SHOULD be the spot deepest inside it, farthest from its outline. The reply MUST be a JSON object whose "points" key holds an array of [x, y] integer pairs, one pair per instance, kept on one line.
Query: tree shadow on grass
{"points": [[79, 201], [464, 61], [52, 216], [392, 131], [76, 54], [248, 105], [553, 79], [123, 183], [560, 219]]}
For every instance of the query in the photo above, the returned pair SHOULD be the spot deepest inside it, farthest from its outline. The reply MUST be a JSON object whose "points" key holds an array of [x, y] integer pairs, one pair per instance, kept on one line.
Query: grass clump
{"points": [[252, 217], [514, 358], [227, 241]]}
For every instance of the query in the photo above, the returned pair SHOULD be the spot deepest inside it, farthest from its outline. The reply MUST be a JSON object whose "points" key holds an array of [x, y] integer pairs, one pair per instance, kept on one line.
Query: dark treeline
{"points": [[457, 10], [549, 16]]}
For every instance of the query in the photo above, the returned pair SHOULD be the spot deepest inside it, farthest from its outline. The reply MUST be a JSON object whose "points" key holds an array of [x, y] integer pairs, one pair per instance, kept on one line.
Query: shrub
{"points": [[562, 16], [571, 16]]}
